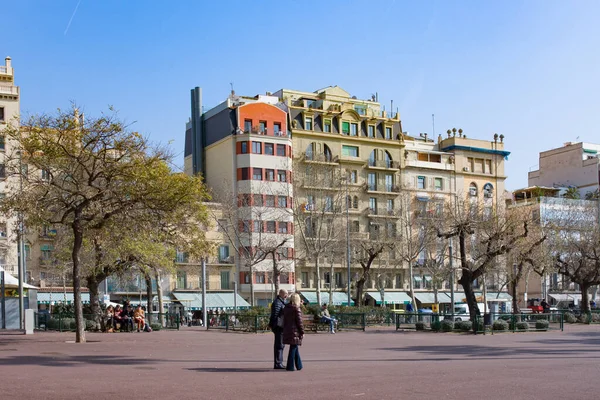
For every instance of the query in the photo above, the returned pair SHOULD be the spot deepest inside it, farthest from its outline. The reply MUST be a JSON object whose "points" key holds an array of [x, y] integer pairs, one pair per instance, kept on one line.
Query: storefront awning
{"points": [[57, 297], [390, 297], [564, 297], [429, 297], [339, 298], [223, 301]]}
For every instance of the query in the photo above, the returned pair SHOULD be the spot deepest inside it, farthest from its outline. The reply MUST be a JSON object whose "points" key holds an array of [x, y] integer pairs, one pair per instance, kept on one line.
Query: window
{"points": [[182, 257], [427, 282], [256, 147], [181, 280], [257, 174], [245, 226], [420, 182], [308, 124], [221, 225], [258, 200], [417, 282], [390, 205], [372, 181], [327, 125], [2, 171], [3, 230], [270, 201], [338, 279], [262, 126], [1, 113], [244, 147], [389, 182], [355, 201], [269, 149], [311, 103], [371, 130], [388, 133], [2, 146], [355, 227], [399, 281], [282, 201], [244, 174], [223, 253], [281, 176], [282, 227], [437, 182], [27, 252], [353, 129], [345, 128], [328, 203], [257, 226], [373, 205], [304, 279], [353, 176], [281, 150], [360, 109], [488, 190], [225, 280], [271, 226], [473, 189], [350, 151], [245, 200], [269, 174], [247, 125]]}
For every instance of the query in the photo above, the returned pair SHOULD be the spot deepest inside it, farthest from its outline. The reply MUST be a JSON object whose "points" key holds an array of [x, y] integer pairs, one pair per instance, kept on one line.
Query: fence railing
{"points": [[95, 323]]}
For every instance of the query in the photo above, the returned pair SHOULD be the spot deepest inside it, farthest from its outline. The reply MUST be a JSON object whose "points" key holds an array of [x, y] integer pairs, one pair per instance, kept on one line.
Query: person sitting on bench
{"points": [[139, 318], [327, 319]]}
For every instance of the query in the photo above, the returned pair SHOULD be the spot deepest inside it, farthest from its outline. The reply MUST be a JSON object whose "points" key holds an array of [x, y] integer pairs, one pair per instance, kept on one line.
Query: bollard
{"points": [[29, 321]]}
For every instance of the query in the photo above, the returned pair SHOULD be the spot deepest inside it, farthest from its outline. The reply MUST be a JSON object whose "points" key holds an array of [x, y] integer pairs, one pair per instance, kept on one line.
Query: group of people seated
{"points": [[125, 318]]}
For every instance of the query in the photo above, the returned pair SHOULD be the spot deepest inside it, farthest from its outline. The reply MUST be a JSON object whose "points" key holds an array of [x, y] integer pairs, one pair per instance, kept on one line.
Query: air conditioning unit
{"points": [[466, 169]]}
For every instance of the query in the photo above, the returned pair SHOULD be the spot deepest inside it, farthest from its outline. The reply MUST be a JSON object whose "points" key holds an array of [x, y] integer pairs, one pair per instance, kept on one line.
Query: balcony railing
{"points": [[320, 157], [9, 89], [10, 269]]}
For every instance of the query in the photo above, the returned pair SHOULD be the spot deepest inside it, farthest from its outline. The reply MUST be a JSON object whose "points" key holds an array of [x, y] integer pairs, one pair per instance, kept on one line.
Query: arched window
{"points": [[355, 201], [318, 152], [473, 189], [488, 190], [380, 158]]}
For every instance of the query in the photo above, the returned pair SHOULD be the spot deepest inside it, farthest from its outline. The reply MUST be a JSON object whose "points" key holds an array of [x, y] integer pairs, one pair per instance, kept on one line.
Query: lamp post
{"points": [[451, 279], [20, 251]]}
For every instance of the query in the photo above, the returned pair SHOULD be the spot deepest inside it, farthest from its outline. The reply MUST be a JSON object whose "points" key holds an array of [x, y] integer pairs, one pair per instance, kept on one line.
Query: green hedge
{"points": [[464, 326], [542, 324], [500, 325], [522, 326]]}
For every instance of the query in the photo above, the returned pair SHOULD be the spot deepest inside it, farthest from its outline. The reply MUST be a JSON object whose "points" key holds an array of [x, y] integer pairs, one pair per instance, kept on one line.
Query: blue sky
{"points": [[526, 69]]}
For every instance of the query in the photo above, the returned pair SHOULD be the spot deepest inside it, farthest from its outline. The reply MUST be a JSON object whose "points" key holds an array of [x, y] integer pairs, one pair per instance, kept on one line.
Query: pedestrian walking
{"points": [[276, 325], [293, 331]]}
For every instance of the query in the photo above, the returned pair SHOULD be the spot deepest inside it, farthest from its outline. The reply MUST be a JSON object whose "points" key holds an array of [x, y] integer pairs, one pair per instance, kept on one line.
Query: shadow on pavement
{"points": [[64, 360], [214, 369]]}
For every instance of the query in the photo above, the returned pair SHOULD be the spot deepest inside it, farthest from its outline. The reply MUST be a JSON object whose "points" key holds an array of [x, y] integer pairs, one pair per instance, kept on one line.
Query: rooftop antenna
{"points": [[433, 123], [232, 91]]}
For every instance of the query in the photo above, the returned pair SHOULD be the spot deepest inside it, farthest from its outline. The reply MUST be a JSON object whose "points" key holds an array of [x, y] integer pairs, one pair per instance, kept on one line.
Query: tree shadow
{"points": [[65, 360], [217, 369]]}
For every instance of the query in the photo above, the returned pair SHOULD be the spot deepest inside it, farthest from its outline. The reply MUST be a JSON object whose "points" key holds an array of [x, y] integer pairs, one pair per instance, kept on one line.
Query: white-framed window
{"points": [[353, 129], [308, 124], [388, 132], [438, 184], [371, 131], [421, 182], [281, 176], [327, 125]]}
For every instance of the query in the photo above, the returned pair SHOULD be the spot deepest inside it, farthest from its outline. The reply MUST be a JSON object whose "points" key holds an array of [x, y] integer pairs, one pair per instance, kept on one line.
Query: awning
{"points": [[390, 297], [10, 282], [417, 278], [339, 298], [501, 297], [165, 299], [429, 297], [214, 301], [59, 297], [566, 297]]}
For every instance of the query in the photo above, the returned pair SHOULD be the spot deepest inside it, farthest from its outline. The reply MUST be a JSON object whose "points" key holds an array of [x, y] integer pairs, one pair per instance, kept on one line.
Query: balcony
{"points": [[381, 212], [381, 189], [383, 164], [11, 269], [14, 90], [266, 287], [430, 165], [3, 70], [320, 158]]}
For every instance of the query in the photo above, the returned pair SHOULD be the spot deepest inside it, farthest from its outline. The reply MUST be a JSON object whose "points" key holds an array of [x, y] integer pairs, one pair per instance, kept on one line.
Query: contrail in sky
{"points": [[72, 16]]}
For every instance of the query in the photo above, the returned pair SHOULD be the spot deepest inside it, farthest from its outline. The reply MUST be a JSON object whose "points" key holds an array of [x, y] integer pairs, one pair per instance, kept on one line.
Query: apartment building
{"points": [[572, 165], [246, 162], [9, 113], [330, 131]]}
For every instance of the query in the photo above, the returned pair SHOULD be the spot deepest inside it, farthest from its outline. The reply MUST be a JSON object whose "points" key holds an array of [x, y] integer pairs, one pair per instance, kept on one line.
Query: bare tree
{"points": [[483, 235], [258, 227], [318, 211]]}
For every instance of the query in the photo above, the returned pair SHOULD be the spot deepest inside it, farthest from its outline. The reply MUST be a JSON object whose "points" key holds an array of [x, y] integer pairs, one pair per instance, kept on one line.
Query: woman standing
{"points": [[293, 331]]}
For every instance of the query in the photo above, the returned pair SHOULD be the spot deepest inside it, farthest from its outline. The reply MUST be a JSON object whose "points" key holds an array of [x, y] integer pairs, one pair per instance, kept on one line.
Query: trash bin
{"points": [[487, 319]]}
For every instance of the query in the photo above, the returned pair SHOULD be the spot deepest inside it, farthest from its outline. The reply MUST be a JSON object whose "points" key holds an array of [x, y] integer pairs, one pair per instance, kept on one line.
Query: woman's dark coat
{"points": [[293, 329]]}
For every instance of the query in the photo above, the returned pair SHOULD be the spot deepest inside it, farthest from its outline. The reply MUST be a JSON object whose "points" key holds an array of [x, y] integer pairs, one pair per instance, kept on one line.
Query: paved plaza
{"points": [[377, 364]]}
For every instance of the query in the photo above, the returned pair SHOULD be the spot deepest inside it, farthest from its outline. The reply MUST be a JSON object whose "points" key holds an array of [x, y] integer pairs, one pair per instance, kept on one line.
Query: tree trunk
{"points": [[276, 275], [77, 243], [411, 287], [161, 317], [360, 284], [148, 279], [585, 299], [331, 283], [252, 303], [93, 284], [467, 283], [318, 280]]}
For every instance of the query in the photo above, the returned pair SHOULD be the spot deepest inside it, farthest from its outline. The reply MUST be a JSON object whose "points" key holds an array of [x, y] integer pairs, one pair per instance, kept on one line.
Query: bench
{"points": [[312, 323]]}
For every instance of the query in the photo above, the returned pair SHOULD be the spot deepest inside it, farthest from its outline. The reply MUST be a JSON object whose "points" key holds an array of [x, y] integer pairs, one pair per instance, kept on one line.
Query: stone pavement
{"points": [[377, 364]]}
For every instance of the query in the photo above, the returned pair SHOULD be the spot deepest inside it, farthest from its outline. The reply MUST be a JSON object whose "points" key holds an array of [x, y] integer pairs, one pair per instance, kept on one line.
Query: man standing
{"points": [[276, 325]]}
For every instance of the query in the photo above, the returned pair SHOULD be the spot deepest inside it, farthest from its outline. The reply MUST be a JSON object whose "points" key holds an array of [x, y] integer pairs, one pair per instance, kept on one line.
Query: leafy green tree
{"points": [[86, 173]]}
